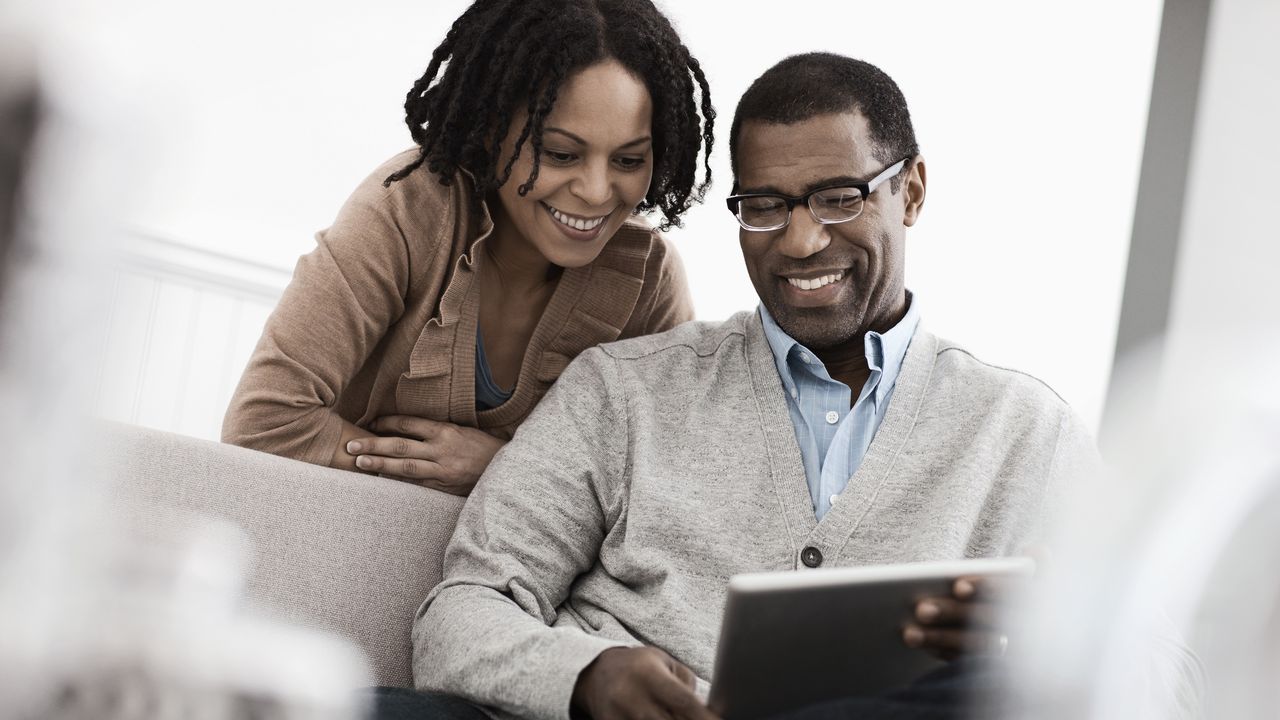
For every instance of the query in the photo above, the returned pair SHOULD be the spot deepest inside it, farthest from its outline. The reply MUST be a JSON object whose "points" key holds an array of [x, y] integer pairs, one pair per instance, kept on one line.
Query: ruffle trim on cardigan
{"points": [[591, 305]]}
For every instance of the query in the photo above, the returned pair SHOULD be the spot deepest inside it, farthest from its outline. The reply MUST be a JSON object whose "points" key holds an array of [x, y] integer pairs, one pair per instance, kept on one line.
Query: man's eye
{"points": [[763, 204], [839, 199]]}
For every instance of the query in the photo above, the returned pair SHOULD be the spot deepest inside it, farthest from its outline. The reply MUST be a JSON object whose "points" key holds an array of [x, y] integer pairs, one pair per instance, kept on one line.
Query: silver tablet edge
{"points": [[792, 579]]}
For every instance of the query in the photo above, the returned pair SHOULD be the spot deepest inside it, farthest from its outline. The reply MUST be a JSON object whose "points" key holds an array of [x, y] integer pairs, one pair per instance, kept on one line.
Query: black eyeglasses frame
{"points": [[864, 189]]}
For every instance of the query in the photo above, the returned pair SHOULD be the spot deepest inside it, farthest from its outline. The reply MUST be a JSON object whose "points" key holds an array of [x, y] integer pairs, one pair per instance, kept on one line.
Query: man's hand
{"points": [[963, 623], [639, 682], [434, 454]]}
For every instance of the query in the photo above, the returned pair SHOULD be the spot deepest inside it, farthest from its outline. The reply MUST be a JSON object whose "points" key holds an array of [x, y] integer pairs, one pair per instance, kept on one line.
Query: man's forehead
{"points": [[800, 153]]}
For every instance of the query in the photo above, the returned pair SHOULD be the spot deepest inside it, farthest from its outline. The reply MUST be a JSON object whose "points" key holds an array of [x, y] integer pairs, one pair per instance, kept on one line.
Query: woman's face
{"points": [[597, 160]]}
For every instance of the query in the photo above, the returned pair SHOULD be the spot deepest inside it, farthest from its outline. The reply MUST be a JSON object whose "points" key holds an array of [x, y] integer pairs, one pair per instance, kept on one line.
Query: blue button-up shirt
{"points": [[833, 437]]}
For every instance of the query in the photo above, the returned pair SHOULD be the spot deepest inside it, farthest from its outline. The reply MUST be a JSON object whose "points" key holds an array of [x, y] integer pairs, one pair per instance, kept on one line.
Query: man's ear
{"points": [[913, 191]]}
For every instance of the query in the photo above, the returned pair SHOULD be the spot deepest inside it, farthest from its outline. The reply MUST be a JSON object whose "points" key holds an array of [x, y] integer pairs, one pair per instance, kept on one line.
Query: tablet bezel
{"points": [[759, 668]]}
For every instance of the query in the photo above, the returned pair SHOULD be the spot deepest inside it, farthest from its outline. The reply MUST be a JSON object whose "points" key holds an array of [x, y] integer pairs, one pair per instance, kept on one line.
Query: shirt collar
{"points": [[885, 351], [781, 344]]}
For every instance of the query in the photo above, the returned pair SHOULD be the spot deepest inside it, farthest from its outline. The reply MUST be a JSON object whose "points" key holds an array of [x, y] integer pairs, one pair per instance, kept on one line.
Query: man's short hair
{"points": [[805, 86]]}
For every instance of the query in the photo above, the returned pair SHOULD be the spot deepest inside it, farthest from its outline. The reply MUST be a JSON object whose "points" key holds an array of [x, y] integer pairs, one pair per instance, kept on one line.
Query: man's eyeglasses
{"points": [[827, 205]]}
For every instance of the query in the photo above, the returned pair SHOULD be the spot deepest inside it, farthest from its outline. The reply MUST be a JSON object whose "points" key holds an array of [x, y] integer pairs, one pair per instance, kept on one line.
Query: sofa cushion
{"points": [[333, 550]]}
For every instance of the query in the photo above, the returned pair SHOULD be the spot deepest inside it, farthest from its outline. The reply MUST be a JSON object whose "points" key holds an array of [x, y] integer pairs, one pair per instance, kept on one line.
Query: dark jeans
{"points": [[393, 703], [960, 690]]}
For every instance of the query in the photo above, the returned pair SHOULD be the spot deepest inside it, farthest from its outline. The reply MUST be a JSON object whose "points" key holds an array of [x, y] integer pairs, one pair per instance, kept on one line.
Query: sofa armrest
{"points": [[333, 550]]}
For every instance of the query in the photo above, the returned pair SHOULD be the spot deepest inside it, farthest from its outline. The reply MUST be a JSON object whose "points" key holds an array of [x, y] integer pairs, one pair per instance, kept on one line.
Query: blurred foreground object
{"points": [[17, 128], [101, 615], [1179, 550], [1163, 597], [142, 622]]}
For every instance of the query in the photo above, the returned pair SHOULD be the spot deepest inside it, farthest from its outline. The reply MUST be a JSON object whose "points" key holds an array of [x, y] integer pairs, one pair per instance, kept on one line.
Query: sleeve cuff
{"points": [[577, 650], [320, 450]]}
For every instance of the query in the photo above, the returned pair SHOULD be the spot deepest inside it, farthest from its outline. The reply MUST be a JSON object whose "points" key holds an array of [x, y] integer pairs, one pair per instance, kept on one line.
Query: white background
{"points": [[252, 122]]}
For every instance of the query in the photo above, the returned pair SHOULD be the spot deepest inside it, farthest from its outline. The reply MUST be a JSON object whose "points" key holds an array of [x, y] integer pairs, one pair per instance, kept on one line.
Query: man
{"points": [[828, 428]]}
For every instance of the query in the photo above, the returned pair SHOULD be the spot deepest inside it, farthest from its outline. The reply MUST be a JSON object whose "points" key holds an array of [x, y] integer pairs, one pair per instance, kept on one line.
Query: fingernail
{"points": [[928, 612], [913, 636], [964, 588], [364, 461], [353, 447]]}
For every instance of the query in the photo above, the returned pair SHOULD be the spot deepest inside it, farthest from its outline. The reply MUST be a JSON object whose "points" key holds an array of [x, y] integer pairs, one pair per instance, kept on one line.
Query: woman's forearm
{"points": [[341, 458]]}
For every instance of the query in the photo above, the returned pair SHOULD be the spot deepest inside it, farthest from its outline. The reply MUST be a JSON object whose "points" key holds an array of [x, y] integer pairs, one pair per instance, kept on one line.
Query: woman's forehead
{"points": [[603, 104]]}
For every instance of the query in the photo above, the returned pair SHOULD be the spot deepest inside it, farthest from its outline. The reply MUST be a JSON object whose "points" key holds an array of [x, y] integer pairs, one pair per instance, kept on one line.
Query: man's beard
{"points": [[817, 328]]}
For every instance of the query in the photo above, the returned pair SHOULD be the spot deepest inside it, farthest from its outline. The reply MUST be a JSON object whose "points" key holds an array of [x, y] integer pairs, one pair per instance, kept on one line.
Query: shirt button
{"points": [[833, 417], [834, 498], [794, 394], [804, 357], [811, 557]]}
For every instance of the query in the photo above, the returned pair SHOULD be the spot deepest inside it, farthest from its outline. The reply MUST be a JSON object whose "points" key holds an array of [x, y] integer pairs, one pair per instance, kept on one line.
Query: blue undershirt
{"points": [[488, 394]]}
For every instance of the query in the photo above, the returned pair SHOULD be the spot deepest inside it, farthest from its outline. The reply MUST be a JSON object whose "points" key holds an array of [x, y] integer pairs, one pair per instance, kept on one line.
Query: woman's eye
{"points": [[559, 157], [630, 163]]}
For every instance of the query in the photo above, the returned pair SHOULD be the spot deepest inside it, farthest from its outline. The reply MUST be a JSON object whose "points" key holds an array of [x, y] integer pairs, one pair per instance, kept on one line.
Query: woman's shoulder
{"points": [[664, 300], [417, 210], [637, 237], [420, 191]]}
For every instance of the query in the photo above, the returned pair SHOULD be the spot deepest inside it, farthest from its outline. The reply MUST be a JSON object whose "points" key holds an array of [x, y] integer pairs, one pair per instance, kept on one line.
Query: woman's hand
{"points": [[430, 453]]}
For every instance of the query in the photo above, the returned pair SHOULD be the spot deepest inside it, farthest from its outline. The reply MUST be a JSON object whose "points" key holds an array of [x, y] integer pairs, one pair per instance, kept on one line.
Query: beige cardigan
{"points": [[381, 319]]}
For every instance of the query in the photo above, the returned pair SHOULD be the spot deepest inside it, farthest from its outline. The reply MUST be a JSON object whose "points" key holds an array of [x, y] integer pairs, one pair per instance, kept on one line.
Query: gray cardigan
{"points": [[659, 466]]}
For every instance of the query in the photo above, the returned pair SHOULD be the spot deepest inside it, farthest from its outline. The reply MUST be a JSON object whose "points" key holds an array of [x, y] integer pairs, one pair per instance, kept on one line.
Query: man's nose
{"points": [[592, 185], [803, 236]]}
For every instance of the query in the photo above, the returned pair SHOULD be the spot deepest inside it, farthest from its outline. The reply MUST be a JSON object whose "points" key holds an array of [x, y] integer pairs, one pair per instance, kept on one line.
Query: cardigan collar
{"points": [[832, 533], [591, 305]]}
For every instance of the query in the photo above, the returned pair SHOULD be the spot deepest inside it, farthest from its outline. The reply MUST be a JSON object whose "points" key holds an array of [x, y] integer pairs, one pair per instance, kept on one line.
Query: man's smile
{"points": [[815, 283], [817, 288]]}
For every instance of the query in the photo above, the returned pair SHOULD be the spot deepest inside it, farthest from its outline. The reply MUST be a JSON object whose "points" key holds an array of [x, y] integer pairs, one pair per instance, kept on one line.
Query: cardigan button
{"points": [[811, 557]]}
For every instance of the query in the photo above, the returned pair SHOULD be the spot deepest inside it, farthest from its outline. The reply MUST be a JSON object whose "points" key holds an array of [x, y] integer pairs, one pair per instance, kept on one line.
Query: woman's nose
{"points": [[593, 185]]}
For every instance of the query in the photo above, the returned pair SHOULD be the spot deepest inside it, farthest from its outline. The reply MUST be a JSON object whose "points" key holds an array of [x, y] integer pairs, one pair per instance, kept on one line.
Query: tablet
{"points": [[795, 638]]}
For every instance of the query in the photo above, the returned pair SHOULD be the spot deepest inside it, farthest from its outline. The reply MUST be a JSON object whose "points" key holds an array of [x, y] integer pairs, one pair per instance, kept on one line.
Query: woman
{"points": [[462, 277]]}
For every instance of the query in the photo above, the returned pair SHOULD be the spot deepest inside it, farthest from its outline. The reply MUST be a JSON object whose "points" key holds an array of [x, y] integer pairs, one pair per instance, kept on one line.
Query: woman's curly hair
{"points": [[500, 53]]}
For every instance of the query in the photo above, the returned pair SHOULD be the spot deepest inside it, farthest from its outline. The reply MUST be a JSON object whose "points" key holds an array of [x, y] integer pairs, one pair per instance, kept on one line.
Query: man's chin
{"points": [[815, 328], [824, 341]]}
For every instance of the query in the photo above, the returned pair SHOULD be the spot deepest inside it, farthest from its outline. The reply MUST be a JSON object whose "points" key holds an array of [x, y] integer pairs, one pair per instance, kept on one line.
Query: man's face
{"points": [[866, 254]]}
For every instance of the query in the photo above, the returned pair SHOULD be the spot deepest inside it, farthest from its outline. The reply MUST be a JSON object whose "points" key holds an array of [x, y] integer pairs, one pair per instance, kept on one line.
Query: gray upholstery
{"points": [[333, 550]]}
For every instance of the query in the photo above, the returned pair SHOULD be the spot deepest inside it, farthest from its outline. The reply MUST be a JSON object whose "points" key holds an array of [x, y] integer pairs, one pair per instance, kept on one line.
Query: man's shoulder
{"points": [[691, 339], [960, 372]]}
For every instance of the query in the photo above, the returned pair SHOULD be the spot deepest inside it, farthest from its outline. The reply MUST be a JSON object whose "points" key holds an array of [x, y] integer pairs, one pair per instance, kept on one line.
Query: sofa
{"points": [[336, 551]]}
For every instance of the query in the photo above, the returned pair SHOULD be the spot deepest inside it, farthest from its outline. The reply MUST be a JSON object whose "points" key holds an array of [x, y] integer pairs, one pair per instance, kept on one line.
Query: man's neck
{"points": [[847, 363]]}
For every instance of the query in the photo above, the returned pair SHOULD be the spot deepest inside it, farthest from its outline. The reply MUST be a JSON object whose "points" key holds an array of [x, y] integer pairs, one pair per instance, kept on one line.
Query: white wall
{"points": [[256, 119]]}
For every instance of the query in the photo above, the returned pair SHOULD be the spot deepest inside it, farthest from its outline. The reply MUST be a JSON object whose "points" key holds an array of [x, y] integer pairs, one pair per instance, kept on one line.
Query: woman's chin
{"points": [[568, 253], [578, 257]]}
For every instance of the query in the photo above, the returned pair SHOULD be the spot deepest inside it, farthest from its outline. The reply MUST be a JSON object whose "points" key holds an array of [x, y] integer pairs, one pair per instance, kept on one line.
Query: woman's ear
{"points": [[913, 191]]}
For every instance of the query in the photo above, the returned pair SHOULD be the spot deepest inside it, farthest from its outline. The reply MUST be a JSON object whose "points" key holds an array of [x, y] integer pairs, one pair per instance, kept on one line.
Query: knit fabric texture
{"points": [[658, 467]]}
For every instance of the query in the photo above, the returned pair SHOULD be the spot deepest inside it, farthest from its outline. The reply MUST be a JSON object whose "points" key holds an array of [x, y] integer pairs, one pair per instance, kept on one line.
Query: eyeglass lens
{"points": [[830, 205]]}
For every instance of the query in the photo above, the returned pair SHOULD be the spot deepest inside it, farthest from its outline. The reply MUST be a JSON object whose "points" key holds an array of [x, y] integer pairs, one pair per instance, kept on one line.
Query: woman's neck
{"points": [[517, 264]]}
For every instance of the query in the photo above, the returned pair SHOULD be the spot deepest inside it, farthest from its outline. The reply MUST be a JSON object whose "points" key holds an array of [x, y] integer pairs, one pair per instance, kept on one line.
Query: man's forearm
{"points": [[477, 643]]}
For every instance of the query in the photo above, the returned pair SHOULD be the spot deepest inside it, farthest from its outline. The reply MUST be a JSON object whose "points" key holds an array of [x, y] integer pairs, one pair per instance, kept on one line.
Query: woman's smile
{"points": [[577, 227]]}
